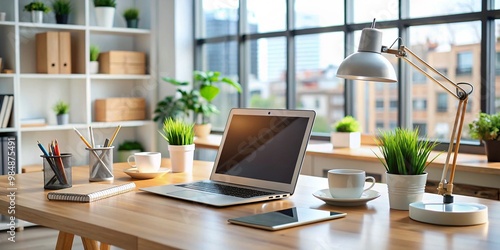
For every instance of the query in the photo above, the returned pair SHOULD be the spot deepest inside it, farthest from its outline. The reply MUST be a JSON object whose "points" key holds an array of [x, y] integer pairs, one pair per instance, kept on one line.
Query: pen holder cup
{"points": [[101, 164], [57, 171]]}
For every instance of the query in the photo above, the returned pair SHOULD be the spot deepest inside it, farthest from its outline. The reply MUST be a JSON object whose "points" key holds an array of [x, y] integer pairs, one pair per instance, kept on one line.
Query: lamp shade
{"points": [[368, 64]]}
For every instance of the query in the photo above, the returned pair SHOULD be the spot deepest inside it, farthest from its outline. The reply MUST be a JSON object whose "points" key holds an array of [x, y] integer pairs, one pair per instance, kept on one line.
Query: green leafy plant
{"points": [[131, 14], [403, 152], [177, 132], [347, 124], [196, 101], [105, 3], [94, 53], [130, 145], [37, 6], [61, 7], [486, 127], [61, 108]]}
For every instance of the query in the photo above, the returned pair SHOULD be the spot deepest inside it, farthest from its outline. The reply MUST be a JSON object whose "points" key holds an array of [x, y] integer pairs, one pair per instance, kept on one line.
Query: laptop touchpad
{"points": [[189, 194]]}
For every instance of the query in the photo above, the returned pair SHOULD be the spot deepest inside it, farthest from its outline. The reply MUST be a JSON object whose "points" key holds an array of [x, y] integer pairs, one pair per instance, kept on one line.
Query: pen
{"points": [[51, 164], [95, 154], [57, 152]]}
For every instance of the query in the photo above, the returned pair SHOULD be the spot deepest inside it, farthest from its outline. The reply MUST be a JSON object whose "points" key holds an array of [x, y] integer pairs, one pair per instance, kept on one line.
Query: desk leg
{"points": [[89, 244], [105, 246], [64, 241]]}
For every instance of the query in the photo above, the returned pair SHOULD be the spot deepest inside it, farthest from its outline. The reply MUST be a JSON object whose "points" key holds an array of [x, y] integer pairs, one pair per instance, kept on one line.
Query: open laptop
{"points": [[260, 158]]}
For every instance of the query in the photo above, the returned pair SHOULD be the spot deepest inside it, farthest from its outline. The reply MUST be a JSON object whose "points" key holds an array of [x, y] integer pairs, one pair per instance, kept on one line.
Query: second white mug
{"points": [[348, 183], [146, 162]]}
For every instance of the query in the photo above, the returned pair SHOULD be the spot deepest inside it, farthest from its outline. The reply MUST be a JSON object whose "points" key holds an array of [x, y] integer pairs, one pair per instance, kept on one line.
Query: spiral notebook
{"points": [[90, 192]]}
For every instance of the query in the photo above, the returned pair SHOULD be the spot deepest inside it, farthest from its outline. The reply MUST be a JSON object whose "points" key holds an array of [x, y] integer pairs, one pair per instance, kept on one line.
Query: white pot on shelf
{"points": [[37, 16], [104, 16], [93, 67]]}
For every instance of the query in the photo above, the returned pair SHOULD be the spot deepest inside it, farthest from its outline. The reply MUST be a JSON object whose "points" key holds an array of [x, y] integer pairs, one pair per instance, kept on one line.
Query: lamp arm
{"points": [[445, 187]]}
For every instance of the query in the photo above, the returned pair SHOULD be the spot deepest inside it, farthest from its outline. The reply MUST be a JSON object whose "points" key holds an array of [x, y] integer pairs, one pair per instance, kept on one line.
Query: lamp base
{"points": [[452, 214]]}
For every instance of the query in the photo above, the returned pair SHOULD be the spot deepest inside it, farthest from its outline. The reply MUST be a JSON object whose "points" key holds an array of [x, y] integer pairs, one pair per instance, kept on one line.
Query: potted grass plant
{"points": [[131, 16], [37, 9], [180, 137], [94, 57], [346, 133], [61, 8], [61, 108], [104, 12], [487, 129], [405, 158]]}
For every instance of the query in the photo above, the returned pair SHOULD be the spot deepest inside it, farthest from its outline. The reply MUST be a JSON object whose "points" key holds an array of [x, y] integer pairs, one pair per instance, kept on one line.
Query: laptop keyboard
{"points": [[224, 189]]}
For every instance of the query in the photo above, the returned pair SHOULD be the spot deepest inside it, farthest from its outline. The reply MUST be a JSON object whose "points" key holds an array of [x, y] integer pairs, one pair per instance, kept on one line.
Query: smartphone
{"points": [[286, 218]]}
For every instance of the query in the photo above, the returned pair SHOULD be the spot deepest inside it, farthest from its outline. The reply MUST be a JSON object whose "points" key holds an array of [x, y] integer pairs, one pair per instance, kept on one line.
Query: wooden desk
{"points": [[139, 220]]}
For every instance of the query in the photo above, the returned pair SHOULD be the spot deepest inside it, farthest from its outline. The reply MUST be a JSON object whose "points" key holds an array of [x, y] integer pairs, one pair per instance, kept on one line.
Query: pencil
{"points": [[114, 135], [82, 138], [51, 164], [91, 134], [60, 164]]}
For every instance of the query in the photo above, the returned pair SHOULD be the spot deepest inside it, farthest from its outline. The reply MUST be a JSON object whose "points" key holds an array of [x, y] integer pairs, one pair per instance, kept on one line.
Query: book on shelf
{"points": [[8, 111], [90, 192], [4, 99], [33, 122]]}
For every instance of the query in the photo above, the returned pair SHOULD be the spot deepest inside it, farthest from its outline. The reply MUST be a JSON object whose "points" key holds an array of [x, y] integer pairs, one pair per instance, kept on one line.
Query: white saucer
{"points": [[132, 172], [325, 196]]}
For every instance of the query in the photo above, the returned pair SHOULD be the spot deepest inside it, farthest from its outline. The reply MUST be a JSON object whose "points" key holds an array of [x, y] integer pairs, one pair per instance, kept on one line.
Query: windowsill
{"points": [[465, 162]]}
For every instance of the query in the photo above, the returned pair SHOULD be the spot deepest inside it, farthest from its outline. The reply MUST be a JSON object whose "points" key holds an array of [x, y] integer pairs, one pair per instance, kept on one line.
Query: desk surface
{"points": [[139, 220]]}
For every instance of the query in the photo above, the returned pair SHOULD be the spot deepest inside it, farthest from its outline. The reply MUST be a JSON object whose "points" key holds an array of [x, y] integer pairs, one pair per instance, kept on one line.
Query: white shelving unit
{"points": [[35, 94]]}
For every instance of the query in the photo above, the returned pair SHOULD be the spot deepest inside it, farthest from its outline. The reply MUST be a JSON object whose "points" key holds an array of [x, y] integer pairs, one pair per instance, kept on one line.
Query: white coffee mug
{"points": [[348, 183], [146, 162]]}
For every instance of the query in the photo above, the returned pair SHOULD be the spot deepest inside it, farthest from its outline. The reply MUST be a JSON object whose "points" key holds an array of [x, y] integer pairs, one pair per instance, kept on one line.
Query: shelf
{"points": [[7, 23], [120, 77], [52, 26], [69, 126], [53, 76], [7, 75], [122, 123], [124, 31]]}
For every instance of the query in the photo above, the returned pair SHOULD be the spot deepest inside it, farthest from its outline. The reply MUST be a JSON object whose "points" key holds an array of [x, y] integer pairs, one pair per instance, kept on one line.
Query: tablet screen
{"points": [[286, 218]]}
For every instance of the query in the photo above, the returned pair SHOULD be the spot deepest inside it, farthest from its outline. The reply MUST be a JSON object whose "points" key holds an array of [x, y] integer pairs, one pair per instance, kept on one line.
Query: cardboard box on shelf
{"points": [[120, 109], [122, 62]]}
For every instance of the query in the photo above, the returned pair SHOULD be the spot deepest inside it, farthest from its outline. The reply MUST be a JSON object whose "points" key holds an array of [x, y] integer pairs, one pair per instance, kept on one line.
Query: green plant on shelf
{"points": [[347, 124], [94, 53], [131, 14], [61, 7], [486, 127], [105, 3], [130, 145], [61, 108], [37, 6]]}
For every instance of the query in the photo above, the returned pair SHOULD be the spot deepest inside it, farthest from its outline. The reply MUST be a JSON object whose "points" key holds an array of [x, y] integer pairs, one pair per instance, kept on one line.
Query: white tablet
{"points": [[286, 218]]}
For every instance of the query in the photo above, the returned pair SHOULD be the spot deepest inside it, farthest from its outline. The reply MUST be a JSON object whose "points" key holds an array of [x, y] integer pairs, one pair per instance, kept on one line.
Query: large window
{"points": [[286, 53]]}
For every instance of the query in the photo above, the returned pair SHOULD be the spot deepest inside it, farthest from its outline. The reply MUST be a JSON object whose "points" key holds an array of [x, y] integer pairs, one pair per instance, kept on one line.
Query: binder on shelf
{"points": [[9, 153], [90, 192], [53, 52]]}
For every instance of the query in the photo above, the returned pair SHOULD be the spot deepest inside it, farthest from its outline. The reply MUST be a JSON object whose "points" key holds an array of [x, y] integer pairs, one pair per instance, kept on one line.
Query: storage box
{"points": [[122, 62], [120, 109], [53, 52]]}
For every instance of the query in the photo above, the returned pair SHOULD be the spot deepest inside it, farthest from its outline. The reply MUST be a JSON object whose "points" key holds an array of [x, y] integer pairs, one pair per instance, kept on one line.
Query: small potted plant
{"points": [[346, 133], [94, 57], [37, 9], [105, 12], [180, 138], [61, 108], [127, 148], [61, 8], [196, 102], [131, 16], [487, 129], [405, 158]]}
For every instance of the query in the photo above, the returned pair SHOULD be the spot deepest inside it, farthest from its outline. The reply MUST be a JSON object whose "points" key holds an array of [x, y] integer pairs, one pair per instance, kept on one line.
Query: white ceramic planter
{"points": [[37, 16], [345, 139], [104, 16], [181, 157], [405, 189], [93, 67]]}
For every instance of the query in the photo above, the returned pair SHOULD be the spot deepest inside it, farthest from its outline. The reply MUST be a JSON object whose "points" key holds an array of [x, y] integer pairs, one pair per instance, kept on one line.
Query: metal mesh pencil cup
{"points": [[101, 164], [57, 171]]}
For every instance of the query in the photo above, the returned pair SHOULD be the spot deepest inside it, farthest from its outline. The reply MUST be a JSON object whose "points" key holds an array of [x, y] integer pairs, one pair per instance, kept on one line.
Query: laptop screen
{"points": [[262, 147]]}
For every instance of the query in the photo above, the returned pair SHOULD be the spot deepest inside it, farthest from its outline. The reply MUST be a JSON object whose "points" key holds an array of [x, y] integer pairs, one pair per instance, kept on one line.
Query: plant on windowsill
{"points": [[37, 9], [487, 129], [195, 102], [61, 108], [127, 148], [180, 137], [405, 158], [61, 8], [346, 133], [131, 16]]}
